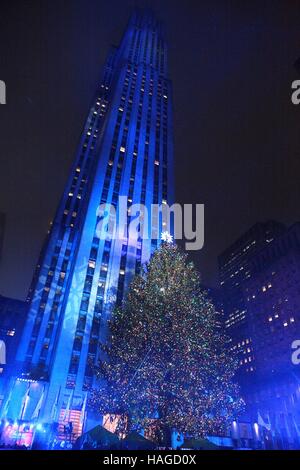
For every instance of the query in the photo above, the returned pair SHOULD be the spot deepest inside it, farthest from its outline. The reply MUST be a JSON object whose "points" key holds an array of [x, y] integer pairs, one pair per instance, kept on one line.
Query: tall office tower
{"points": [[273, 303], [273, 307], [12, 318], [234, 270], [126, 149]]}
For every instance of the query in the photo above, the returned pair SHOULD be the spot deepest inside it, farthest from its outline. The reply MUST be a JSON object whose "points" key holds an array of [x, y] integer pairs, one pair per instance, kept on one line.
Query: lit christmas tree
{"points": [[167, 360]]}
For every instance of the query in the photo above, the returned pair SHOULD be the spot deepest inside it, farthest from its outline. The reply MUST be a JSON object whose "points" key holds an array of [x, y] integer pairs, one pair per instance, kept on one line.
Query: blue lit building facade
{"points": [[273, 304], [12, 319], [126, 149], [235, 269], [260, 278]]}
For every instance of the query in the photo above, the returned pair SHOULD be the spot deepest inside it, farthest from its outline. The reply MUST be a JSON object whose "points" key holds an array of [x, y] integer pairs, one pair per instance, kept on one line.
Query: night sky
{"points": [[237, 139]]}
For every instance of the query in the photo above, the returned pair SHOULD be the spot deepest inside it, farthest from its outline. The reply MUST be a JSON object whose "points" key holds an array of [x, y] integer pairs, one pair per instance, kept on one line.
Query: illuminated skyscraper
{"points": [[126, 149], [260, 277], [235, 270]]}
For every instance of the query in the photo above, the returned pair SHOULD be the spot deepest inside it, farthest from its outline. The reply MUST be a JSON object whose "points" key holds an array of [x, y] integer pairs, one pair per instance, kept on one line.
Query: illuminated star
{"points": [[167, 237]]}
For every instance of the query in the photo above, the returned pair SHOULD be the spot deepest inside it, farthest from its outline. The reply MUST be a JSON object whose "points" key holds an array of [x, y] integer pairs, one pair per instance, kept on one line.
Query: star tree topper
{"points": [[167, 237]]}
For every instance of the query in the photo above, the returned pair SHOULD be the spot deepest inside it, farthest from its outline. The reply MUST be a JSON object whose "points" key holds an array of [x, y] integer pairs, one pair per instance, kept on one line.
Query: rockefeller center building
{"points": [[126, 149], [272, 295], [260, 277], [12, 319], [234, 270]]}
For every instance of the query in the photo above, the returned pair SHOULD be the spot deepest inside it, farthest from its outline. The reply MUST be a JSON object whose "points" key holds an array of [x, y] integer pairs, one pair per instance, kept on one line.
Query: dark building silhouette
{"points": [[273, 305], [12, 319], [268, 292], [273, 302], [234, 270], [297, 65]]}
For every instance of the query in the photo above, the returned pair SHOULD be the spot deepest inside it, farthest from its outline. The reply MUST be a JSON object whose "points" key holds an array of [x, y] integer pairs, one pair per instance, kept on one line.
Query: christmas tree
{"points": [[167, 360]]}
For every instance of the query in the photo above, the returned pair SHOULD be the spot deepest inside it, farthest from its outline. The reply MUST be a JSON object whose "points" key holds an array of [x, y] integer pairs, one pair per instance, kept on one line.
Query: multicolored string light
{"points": [[167, 358]]}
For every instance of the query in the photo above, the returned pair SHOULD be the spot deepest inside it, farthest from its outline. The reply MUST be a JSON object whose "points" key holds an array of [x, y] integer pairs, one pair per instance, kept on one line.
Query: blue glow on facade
{"points": [[126, 149]]}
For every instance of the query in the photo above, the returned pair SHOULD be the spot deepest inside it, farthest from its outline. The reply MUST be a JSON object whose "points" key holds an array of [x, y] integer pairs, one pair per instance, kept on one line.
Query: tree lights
{"points": [[167, 361]]}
